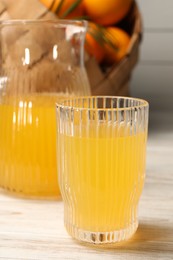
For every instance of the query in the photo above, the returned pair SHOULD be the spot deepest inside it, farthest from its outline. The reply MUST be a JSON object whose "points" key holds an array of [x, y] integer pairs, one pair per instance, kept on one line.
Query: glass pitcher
{"points": [[40, 63]]}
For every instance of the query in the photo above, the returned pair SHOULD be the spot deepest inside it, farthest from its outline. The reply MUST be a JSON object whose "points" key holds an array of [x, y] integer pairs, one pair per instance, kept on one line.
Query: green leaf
{"points": [[71, 8], [59, 7], [103, 37], [107, 39], [51, 6], [98, 37]]}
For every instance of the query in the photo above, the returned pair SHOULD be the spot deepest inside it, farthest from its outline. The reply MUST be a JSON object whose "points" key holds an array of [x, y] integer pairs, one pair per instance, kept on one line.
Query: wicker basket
{"points": [[115, 81]]}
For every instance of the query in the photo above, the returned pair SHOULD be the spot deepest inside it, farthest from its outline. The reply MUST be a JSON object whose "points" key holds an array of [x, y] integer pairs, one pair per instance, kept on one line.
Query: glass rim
{"points": [[60, 22], [61, 104]]}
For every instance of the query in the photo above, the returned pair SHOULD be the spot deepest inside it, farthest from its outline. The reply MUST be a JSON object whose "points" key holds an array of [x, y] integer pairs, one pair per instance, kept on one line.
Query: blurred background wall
{"points": [[153, 77]]}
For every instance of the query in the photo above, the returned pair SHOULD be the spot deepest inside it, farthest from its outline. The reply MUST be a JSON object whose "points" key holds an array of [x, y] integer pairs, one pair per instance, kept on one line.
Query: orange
{"points": [[107, 12], [106, 44], [93, 42], [117, 42], [53, 5]]}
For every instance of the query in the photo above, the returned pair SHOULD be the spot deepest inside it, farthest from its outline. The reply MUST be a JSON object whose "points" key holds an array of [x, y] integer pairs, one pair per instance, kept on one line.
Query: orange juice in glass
{"points": [[42, 61], [101, 147]]}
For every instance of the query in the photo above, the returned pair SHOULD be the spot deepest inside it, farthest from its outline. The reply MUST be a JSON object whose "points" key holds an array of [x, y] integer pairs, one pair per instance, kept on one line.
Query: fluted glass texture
{"points": [[40, 63], [102, 148]]}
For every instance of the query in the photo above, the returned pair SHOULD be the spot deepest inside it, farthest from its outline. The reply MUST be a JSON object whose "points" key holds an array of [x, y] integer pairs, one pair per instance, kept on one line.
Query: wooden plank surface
{"points": [[158, 14], [153, 77], [32, 229], [157, 48], [150, 78], [154, 82]]}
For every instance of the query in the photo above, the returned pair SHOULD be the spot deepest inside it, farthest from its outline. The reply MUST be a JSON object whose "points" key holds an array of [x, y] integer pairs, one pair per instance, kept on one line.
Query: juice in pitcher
{"points": [[28, 145]]}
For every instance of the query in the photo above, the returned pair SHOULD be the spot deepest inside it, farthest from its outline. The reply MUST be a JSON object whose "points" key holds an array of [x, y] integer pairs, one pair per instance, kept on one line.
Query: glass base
{"points": [[99, 238]]}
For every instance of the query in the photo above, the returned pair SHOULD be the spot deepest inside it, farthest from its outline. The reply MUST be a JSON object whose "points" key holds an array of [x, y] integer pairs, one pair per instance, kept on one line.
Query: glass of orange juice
{"points": [[41, 62], [101, 165]]}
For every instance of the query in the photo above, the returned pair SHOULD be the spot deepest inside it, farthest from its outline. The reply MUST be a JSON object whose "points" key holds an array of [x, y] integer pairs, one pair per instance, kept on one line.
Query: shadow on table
{"points": [[148, 238]]}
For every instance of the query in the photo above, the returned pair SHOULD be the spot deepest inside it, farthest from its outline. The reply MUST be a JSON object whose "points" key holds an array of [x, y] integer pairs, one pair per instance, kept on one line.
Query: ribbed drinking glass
{"points": [[101, 165]]}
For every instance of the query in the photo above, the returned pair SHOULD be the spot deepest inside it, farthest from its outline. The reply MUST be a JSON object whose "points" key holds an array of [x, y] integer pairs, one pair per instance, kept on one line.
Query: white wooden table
{"points": [[31, 229]]}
